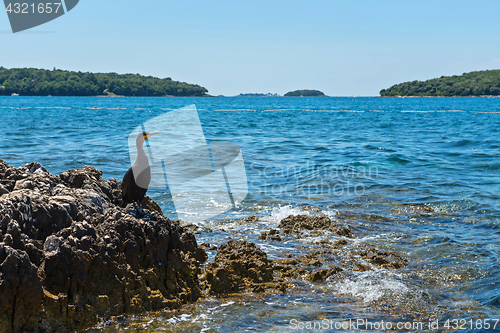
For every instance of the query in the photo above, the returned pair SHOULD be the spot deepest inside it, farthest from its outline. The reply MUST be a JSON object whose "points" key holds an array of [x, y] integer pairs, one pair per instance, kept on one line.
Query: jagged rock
{"points": [[272, 235], [248, 219], [70, 255], [208, 247], [382, 259], [238, 265], [294, 223], [193, 228], [3, 190], [320, 275]]}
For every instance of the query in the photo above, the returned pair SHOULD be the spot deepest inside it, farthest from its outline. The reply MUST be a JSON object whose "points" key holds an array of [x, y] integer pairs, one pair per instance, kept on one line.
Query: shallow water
{"points": [[383, 160]]}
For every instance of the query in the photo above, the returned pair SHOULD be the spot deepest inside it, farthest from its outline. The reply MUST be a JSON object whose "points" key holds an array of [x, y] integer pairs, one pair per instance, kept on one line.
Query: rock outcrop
{"points": [[295, 223], [238, 265], [70, 254]]}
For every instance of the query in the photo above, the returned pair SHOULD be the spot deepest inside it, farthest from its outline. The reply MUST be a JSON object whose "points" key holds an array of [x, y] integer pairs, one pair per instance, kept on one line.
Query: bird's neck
{"points": [[142, 158]]}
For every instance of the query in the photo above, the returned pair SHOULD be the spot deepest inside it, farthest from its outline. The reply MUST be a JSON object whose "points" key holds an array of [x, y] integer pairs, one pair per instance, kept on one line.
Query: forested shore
{"points": [[42, 82], [481, 83]]}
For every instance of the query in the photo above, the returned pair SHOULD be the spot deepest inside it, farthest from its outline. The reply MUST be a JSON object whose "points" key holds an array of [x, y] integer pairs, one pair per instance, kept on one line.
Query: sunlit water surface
{"points": [[383, 158]]}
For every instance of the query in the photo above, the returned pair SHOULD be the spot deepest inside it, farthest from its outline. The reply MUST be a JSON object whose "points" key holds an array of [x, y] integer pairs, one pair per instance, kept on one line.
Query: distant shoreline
{"points": [[56, 82], [222, 96], [417, 96], [473, 84]]}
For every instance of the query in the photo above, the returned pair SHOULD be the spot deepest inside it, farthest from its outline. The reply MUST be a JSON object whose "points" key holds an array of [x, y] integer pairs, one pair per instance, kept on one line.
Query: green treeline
{"points": [[481, 83], [41, 82], [305, 93]]}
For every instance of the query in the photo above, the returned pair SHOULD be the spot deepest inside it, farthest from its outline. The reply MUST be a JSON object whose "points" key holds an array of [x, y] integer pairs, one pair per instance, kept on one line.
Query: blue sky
{"points": [[342, 48]]}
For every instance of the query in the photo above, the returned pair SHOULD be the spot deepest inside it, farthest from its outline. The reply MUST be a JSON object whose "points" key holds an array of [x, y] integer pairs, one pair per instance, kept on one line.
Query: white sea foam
{"points": [[279, 213], [227, 304], [178, 319], [373, 285], [330, 213]]}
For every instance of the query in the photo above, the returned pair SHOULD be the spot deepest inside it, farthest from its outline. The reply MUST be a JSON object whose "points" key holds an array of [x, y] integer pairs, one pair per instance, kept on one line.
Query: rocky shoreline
{"points": [[72, 256]]}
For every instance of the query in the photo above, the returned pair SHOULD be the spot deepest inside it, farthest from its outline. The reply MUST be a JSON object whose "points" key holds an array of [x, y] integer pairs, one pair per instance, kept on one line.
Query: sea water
{"points": [[423, 175]]}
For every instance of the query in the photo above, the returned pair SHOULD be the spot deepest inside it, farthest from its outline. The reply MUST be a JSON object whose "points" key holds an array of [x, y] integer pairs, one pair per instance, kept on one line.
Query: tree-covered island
{"points": [[304, 93], [41, 82], [481, 83]]}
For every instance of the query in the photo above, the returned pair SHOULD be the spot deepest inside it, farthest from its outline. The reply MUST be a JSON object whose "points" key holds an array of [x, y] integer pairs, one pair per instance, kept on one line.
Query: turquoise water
{"points": [[381, 157]]}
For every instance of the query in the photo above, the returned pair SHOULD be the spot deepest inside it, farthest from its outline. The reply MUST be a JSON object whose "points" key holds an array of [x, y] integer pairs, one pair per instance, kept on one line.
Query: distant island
{"points": [[258, 95], [304, 93], [480, 83], [41, 82]]}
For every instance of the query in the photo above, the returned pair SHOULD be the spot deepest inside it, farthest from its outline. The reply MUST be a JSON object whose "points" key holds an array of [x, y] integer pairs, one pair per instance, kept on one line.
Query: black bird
{"points": [[134, 188]]}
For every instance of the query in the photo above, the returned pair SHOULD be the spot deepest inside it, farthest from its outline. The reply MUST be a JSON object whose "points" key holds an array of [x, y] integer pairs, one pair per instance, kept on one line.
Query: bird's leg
{"points": [[138, 208], [141, 203]]}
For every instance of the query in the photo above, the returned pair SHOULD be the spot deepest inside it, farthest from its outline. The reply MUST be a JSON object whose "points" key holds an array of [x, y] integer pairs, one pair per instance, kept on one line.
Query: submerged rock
{"points": [[272, 235], [70, 254], [415, 210], [382, 259], [326, 258], [320, 275]]}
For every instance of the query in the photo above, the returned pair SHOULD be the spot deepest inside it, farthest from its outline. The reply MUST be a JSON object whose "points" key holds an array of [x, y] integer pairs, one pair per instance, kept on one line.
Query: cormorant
{"points": [[134, 188]]}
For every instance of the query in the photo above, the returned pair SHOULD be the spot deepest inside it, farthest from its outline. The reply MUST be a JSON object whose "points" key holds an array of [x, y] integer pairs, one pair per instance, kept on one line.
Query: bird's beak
{"points": [[151, 134]]}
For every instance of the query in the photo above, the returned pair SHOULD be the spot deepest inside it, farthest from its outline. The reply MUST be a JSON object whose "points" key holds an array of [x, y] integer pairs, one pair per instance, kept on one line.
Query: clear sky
{"points": [[342, 48]]}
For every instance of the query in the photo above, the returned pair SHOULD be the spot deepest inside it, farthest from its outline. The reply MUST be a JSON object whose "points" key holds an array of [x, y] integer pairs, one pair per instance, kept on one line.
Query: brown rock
{"points": [[306, 222], [382, 259], [272, 235], [248, 219], [238, 265], [320, 275], [69, 254]]}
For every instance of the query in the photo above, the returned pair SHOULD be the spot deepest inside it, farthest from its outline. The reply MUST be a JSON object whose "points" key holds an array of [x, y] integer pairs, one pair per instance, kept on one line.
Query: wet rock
{"points": [[248, 219], [421, 208], [151, 206], [320, 275], [70, 255], [356, 216], [301, 267], [329, 258], [338, 244], [310, 208], [195, 229], [343, 230], [238, 265], [208, 247], [294, 223], [415, 210], [272, 235], [382, 259], [335, 254]]}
